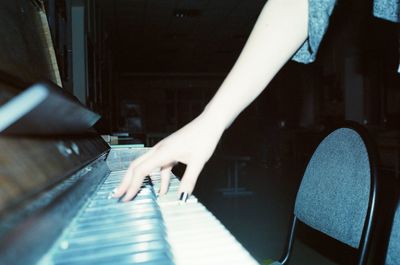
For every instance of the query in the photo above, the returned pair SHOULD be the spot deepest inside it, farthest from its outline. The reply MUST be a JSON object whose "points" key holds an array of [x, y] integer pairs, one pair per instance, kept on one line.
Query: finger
{"points": [[165, 178], [126, 181], [189, 178], [138, 173], [134, 187], [123, 186]]}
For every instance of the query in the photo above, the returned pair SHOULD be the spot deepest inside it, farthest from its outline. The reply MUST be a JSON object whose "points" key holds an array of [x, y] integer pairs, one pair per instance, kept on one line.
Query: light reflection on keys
{"points": [[107, 231], [196, 237], [147, 230]]}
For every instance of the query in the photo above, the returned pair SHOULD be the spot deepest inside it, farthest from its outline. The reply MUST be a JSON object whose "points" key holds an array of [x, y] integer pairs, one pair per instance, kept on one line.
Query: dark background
{"points": [[167, 58], [150, 66]]}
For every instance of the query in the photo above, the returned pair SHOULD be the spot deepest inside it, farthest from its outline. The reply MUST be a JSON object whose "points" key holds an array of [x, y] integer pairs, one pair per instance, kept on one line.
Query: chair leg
{"points": [[369, 224], [290, 241]]}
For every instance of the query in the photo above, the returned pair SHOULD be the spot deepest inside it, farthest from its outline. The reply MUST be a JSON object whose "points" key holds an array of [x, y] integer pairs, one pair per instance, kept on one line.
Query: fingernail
{"points": [[184, 197]]}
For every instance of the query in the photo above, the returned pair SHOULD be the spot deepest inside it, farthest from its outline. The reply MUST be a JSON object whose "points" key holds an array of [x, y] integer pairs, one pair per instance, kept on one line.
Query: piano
{"points": [[57, 174], [56, 180]]}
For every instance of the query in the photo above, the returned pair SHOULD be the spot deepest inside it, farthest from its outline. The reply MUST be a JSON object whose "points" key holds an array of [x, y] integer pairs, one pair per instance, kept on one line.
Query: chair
{"points": [[393, 252], [338, 191]]}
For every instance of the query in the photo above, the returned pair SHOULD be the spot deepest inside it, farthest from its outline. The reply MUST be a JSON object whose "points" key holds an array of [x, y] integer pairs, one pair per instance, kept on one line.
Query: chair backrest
{"points": [[338, 190], [393, 252]]}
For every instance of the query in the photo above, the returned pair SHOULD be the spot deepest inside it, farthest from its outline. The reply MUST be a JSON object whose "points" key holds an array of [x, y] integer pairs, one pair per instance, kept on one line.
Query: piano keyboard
{"points": [[147, 230]]}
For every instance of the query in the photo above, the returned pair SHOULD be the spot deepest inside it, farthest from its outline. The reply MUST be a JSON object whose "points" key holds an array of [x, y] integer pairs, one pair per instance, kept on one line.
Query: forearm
{"points": [[279, 31]]}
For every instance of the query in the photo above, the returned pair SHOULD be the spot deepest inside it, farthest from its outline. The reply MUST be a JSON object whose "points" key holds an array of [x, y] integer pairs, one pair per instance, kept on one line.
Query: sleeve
{"points": [[387, 9], [319, 12]]}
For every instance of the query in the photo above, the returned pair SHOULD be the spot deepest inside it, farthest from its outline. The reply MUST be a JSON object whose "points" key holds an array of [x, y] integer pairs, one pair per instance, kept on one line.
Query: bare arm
{"points": [[279, 31]]}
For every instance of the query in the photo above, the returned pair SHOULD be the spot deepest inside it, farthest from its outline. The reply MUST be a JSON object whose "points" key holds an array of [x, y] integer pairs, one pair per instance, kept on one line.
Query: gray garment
{"points": [[319, 12], [387, 9]]}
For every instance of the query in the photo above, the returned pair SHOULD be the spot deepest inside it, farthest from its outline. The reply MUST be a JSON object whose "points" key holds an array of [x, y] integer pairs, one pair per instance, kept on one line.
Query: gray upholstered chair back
{"points": [[334, 194], [393, 254]]}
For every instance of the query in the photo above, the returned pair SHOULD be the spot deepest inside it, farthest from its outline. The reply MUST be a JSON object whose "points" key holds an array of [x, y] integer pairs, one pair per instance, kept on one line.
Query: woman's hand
{"points": [[192, 145]]}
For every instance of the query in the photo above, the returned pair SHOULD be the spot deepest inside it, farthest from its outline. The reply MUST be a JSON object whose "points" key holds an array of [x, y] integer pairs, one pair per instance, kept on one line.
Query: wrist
{"points": [[216, 118]]}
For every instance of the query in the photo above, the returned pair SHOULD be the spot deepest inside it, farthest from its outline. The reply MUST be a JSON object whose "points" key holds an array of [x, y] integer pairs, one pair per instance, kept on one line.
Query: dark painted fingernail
{"points": [[184, 197]]}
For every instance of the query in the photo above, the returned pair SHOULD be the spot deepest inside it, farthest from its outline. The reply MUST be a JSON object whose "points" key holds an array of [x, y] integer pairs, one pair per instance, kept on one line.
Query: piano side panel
{"points": [[28, 233], [31, 165]]}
